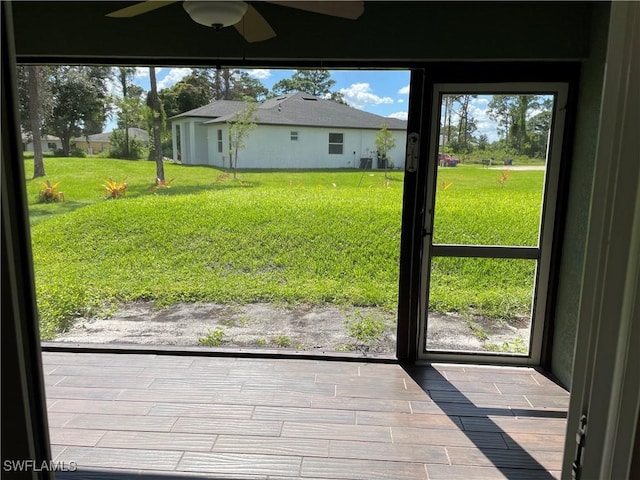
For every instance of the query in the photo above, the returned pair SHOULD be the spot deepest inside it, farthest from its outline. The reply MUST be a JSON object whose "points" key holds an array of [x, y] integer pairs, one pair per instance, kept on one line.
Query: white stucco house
{"points": [[49, 143], [99, 142], [294, 131]]}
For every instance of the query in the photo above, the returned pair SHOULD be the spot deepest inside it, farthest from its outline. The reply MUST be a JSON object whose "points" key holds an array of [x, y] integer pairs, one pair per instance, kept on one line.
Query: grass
{"points": [[473, 208], [286, 237]]}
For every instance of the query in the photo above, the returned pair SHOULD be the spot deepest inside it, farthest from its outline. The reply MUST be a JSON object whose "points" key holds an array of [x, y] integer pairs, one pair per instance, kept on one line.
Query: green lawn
{"points": [[286, 237]]}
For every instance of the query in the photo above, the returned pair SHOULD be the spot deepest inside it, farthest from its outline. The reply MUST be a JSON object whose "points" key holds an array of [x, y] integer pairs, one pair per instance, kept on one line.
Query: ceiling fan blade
{"points": [[253, 26], [140, 8], [345, 8]]}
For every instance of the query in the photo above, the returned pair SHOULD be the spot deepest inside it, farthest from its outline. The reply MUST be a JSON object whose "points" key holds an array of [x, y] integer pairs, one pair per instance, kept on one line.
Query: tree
{"points": [[204, 85], [247, 88], [466, 125], [314, 82], [446, 127], [131, 108], [36, 123], [239, 128], [191, 92], [157, 123], [35, 108], [511, 112], [226, 84], [539, 126], [384, 143], [483, 142], [80, 102]]}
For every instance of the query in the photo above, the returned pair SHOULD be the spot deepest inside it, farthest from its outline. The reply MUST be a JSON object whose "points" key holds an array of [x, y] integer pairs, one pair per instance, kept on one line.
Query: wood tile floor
{"points": [[151, 417]]}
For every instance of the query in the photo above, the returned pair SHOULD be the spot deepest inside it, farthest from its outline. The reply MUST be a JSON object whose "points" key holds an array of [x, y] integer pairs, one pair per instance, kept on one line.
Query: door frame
{"points": [[541, 252], [421, 119]]}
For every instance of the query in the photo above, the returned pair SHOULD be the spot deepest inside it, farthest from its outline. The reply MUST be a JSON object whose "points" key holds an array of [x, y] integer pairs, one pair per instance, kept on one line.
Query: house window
{"points": [[219, 141], [51, 146], [336, 143], [294, 136]]}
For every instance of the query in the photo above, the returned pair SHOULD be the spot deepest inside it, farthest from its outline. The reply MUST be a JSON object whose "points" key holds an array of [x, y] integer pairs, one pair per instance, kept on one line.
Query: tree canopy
{"points": [[204, 85], [80, 102], [314, 82], [131, 113], [519, 129], [522, 124]]}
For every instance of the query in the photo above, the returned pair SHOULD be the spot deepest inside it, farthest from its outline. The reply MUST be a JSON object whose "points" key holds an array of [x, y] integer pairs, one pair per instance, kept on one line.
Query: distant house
{"points": [[293, 131], [49, 143], [100, 142]]}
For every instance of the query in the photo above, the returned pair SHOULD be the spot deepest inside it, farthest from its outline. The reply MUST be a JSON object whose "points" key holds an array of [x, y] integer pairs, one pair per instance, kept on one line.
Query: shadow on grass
{"points": [[40, 212], [197, 189]]}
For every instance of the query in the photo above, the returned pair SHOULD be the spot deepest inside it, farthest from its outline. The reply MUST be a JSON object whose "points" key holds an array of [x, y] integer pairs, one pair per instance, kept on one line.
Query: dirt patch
{"points": [[263, 325]]}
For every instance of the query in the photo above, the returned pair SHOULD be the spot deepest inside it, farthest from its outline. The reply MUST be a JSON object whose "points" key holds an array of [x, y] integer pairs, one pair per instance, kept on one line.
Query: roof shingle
{"points": [[298, 109]]}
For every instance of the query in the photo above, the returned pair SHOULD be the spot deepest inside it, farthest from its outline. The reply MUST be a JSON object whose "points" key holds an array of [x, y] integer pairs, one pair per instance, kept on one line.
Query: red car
{"points": [[446, 160]]}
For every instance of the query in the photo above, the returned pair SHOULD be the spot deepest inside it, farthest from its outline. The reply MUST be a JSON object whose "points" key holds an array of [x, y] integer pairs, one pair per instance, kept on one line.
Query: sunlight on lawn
{"points": [[319, 238]]}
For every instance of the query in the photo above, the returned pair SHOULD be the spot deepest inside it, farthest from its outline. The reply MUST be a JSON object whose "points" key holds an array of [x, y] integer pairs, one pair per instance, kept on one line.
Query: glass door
{"points": [[490, 206]]}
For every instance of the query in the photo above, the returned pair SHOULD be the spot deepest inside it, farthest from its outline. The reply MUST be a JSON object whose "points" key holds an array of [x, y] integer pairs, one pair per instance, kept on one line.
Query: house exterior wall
{"points": [[272, 146], [47, 145], [92, 148], [215, 156], [192, 148]]}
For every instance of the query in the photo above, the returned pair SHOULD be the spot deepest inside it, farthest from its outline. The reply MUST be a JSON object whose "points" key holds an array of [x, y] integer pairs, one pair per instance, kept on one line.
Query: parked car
{"points": [[446, 160]]}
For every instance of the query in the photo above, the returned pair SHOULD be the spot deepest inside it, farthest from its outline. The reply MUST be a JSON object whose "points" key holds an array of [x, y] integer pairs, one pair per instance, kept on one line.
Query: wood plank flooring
{"points": [[156, 417]]}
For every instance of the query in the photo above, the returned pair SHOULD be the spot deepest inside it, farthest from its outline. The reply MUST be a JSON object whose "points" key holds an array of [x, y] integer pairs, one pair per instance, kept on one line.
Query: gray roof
{"points": [[216, 109], [105, 137], [28, 137], [298, 109]]}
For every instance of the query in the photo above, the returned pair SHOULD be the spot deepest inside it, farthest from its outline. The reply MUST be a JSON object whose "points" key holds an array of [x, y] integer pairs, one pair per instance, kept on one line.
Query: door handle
{"points": [[413, 151]]}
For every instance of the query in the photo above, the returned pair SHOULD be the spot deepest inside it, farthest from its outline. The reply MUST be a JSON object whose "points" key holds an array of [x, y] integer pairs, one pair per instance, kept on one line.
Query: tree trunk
{"points": [[34, 114], [157, 125], [123, 82], [235, 163], [66, 144]]}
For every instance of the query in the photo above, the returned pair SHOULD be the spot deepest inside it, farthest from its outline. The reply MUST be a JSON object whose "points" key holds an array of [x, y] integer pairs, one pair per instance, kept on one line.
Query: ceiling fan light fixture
{"points": [[215, 14]]}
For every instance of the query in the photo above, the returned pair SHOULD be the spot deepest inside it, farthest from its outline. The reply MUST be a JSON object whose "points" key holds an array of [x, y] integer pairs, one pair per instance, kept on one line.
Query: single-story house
{"points": [[49, 143], [296, 130], [100, 142]]}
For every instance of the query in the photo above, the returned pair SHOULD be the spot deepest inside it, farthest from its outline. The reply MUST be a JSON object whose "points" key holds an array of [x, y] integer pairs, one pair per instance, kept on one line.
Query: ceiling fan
{"points": [[242, 15]]}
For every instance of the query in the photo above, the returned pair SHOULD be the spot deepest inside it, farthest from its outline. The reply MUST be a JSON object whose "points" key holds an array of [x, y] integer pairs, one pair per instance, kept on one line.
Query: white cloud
{"points": [[143, 72], [400, 100], [173, 77], [359, 95], [485, 125], [404, 90], [259, 73], [399, 115]]}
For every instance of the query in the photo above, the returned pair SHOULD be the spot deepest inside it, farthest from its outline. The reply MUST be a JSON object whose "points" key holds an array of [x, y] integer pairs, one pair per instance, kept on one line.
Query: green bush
{"points": [[73, 152], [137, 150]]}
